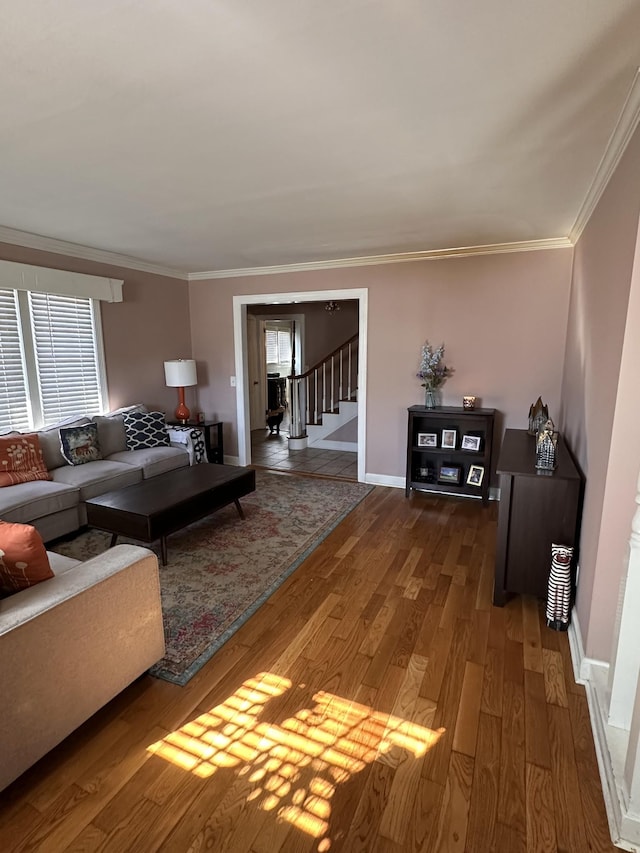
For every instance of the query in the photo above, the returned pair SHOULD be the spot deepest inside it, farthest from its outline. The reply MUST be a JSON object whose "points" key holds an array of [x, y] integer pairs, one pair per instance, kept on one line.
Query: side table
{"points": [[212, 431]]}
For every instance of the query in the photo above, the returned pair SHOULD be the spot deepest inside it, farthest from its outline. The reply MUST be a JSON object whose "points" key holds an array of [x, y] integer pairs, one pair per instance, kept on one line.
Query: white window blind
{"points": [[67, 363], [278, 345], [14, 403]]}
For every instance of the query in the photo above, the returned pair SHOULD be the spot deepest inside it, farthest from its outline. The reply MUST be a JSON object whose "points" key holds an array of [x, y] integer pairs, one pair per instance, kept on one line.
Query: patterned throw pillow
{"points": [[21, 460], [80, 444], [23, 558], [145, 429]]}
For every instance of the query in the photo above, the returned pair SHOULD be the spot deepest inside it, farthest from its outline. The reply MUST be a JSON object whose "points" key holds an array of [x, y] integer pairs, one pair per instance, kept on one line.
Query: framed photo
{"points": [[475, 475], [427, 439], [450, 474], [449, 438], [471, 442]]}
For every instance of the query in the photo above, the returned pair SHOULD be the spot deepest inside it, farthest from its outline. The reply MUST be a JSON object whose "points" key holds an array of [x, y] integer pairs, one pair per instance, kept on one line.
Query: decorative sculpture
{"points": [[559, 588], [538, 416], [546, 443]]}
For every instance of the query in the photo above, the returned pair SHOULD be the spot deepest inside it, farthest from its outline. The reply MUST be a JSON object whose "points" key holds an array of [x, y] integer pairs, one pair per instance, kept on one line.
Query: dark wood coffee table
{"points": [[159, 506]]}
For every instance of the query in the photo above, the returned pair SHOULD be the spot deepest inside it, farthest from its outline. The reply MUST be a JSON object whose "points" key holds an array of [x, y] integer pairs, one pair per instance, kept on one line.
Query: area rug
{"points": [[221, 569]]}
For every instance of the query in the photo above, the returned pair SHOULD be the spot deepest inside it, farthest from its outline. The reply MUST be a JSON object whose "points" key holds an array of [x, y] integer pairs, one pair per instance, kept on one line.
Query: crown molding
{"points": [[86, 253], [615, 148], [399, 258]]}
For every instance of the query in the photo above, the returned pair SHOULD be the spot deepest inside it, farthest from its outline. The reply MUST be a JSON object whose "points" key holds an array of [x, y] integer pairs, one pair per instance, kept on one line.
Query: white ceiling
{"points": [[224, 134]]}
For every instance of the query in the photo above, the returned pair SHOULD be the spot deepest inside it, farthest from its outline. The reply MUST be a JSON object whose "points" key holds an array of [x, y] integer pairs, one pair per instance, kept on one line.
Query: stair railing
{"points": [[322, 387]]}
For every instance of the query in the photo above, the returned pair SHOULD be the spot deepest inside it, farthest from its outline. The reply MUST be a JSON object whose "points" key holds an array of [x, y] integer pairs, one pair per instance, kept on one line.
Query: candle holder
{"points": [[468, 403]]}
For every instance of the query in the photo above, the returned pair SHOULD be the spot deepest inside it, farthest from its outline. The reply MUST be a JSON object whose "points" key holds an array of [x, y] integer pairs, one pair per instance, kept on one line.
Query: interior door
{"points": [[257, 372]]}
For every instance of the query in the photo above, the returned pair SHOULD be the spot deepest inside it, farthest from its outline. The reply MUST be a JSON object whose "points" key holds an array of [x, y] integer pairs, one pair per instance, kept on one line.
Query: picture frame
{"points": [[475, 475], [471, 442], [427, 439], [449, 439], [450, 473]]}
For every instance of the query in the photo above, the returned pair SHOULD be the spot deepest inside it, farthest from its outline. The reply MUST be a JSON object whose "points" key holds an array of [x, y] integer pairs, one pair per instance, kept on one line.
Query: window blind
{"points": [[14, 403], [66, 356], [278, 346]]}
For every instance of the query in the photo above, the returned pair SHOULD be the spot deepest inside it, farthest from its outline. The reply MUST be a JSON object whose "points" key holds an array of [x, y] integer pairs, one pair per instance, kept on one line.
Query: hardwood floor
{"points": [[377, 702]]}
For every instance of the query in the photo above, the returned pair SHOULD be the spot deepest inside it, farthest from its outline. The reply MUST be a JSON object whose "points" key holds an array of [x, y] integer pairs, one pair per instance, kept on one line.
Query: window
{"points": [[51, 360], [278, 344]]}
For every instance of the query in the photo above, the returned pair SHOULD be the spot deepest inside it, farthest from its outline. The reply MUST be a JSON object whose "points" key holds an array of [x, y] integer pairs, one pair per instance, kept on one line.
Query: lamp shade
{"points": [[180, 373]]}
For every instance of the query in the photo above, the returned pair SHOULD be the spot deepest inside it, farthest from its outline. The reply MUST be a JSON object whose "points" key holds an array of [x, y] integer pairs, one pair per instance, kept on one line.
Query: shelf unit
{"points": [[426, 456]]}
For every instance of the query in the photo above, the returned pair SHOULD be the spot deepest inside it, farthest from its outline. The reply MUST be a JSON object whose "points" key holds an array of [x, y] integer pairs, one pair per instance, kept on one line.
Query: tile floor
{"points": [[272, 451]]}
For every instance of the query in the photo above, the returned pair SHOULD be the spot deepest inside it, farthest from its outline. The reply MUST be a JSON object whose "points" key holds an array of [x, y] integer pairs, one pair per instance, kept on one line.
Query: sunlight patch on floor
{"points": [[295, 766]]}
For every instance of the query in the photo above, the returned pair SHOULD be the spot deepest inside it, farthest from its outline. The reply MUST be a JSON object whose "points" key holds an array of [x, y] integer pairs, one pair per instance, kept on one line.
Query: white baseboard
{"points": [[610, 743], [385, 480]]}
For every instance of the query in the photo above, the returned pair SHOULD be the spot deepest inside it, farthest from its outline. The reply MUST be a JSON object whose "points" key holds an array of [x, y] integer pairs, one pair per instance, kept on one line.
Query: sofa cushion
{"points": [[154, 460], [23, 558], [79, 444], [27, 502], [145, 429], [95, 478], [111, 434], [50, 442], [21, 460]]}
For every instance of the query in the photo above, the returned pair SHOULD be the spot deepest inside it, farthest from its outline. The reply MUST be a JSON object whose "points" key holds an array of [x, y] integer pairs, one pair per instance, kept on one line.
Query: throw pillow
{"points": [[145, 429], [80, 444], [23, 558], [21, 460]]}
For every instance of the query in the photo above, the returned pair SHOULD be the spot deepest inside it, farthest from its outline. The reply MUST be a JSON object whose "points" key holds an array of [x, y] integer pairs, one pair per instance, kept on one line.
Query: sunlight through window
{"points": [[295, 765]]}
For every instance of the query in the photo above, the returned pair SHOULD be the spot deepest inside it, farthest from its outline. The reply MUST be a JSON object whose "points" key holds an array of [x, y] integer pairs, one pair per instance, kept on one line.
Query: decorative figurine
{"points": [[546, 443], [538, 416], [559, 588]]}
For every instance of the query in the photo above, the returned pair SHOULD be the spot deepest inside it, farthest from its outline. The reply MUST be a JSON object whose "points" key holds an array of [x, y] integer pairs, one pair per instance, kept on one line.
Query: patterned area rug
{"points": [[221, 569]]}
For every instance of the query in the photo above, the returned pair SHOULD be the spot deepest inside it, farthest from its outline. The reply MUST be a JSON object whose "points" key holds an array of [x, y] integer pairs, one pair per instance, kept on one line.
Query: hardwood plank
{"points": [[532, 643], [466, 730], [554, 683], [454, 813], [511, 800], [541, 827], [537, 749], [570, 819], [492, 689], [486, 779]]}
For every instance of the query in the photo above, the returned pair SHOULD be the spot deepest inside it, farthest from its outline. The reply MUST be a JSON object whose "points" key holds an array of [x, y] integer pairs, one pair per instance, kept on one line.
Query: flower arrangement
{"points": [[433, 372]]}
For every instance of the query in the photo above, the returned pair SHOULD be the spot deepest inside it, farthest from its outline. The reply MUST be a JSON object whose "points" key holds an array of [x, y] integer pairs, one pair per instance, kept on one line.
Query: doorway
{"points": [[241, 334]]}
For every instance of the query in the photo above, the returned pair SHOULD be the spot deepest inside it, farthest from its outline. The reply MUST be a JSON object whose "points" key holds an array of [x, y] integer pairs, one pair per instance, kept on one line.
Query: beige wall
{"points": [[502, 317], [599, 412], [150, 326]]}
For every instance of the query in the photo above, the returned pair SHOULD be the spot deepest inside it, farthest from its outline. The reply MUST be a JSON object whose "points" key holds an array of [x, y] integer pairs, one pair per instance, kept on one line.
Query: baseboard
{"points": [[385, 480], [610, 743]]}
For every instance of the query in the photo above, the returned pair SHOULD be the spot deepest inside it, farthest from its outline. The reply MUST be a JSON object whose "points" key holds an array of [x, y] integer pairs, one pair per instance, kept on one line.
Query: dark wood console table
{"points": [[536, 510]]}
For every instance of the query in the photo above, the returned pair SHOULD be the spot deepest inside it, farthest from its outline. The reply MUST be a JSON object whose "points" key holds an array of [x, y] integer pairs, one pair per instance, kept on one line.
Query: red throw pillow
{"points": [[21, 460], [23, 558]]}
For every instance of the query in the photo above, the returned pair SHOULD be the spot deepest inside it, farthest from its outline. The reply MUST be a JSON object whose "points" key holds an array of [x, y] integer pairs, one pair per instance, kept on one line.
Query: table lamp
{"points": [[181, 373]]}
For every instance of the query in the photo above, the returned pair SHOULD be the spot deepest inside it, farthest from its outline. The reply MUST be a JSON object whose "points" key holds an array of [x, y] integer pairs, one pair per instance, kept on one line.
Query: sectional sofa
{"points": [[71, 643], [56, 507]]}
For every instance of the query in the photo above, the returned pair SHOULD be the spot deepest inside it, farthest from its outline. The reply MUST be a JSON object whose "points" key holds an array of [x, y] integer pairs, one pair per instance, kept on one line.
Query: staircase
{"points": [[324, 406]]}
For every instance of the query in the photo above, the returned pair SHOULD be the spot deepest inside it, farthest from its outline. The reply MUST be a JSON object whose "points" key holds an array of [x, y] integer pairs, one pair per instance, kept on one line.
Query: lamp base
{"points": [[182, 413]]}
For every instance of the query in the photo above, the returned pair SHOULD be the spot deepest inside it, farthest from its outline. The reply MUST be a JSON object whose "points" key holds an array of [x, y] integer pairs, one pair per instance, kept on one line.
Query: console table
{"points": [[212, 431], [536, 510]]}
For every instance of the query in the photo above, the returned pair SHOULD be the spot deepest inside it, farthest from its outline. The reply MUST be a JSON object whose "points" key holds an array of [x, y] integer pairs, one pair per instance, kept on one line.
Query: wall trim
{"points": [[610, 743], [615, 148], [86, 253], [384, 480], [397, 258]]}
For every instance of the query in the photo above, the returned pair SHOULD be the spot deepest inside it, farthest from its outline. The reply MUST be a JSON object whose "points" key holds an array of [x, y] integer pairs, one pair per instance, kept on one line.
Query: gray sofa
{"points": [[70, 644], [56, 507]]}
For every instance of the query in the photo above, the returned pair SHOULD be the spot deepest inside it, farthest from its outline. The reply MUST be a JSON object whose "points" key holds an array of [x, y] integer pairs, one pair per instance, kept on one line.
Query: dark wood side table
{"points": [[535, 511], [212, 431]]}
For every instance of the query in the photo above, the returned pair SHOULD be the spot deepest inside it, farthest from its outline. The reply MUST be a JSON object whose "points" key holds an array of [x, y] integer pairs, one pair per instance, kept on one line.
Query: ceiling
{"points": [[223, 134]]}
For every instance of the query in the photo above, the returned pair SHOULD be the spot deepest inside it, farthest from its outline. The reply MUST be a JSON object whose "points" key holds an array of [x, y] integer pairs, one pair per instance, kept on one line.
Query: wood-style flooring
{"points": [[377, 702]]}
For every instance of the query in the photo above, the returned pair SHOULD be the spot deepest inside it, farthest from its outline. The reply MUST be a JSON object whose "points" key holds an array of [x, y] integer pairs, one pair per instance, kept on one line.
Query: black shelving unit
{"points": [[432, 466]]}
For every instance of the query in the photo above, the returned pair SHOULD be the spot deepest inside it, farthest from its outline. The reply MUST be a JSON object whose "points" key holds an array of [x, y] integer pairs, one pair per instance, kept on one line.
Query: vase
{"points": [[430, 398]]}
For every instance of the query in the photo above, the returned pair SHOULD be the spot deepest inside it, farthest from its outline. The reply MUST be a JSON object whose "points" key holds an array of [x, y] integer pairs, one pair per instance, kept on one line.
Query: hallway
{"points": [[272, 451]]}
